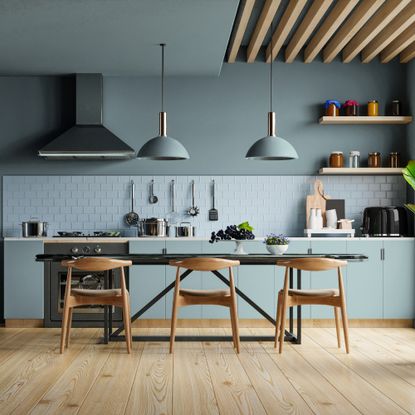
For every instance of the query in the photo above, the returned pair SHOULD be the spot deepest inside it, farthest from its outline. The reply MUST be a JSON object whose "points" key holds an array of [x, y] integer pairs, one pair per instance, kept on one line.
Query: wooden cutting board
{"points": [[316, 200]]}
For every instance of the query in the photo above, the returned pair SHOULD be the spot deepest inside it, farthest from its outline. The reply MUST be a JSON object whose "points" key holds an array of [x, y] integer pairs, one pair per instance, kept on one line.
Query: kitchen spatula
{"points": [[213, 213]]}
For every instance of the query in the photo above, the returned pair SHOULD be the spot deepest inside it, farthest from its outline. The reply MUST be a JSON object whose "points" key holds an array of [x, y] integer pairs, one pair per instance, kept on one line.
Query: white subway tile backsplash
{"points": [[270, 203]]}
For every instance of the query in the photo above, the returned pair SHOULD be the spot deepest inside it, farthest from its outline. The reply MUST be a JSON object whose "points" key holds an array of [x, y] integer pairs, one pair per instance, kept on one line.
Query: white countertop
{"points": [[127, 239]]}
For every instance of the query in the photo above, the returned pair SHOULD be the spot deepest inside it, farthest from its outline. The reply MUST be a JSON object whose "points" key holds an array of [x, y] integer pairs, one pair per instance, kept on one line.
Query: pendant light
{"points": [[163, 147], [271, 147]]}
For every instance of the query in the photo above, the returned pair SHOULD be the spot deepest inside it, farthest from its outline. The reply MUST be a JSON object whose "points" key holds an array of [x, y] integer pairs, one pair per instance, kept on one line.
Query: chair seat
{"points": [[205, 293], [330, 292], [96, 293]]}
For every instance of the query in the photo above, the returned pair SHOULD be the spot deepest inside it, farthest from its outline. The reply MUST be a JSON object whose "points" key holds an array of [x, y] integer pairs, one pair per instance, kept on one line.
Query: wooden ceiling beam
{"points": [[313, 16], [363, 12], [408, 54], [246, 11], [262, 26], [375, 25], [284, 27], [406, 38], [398, 25], [335, 18]]}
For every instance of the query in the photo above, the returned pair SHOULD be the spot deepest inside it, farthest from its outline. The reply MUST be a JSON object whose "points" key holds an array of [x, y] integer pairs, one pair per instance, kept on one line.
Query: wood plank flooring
{"points": [[377, 377]]}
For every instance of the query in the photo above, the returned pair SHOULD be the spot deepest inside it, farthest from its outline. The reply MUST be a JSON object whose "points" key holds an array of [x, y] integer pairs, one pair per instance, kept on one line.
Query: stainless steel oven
{"points": [[55, 284]]}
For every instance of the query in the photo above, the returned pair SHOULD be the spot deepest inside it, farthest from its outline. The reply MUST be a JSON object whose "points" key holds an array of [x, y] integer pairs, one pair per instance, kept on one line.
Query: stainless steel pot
{"points": [[185, 230], [34, 228], [153, 227]]}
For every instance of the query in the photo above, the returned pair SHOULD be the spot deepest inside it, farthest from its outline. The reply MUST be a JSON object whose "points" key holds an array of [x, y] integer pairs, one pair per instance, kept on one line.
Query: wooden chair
{"points": [[74, 297], [226, 297], [332, 297]]}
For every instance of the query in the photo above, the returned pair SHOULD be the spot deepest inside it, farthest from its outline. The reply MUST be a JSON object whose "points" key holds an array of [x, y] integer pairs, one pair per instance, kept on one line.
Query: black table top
{"points": [[163, 259]]}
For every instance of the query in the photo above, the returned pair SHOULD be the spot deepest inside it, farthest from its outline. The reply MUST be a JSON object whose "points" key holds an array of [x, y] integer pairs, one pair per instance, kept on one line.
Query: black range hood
{"points": [[88, 139]]}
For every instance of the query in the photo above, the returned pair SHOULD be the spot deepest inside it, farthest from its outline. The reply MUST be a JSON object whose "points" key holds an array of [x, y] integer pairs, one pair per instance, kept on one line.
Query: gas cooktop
{"points": [[78, 234]]}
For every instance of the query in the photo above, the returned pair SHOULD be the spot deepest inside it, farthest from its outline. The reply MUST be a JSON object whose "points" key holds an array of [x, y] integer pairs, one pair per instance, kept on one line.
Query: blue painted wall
{"points": [[216, 118]]}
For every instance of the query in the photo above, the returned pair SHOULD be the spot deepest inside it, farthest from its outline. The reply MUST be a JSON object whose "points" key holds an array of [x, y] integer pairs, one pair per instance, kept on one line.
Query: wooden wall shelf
{"points": [[360, 171], [347, 120]]}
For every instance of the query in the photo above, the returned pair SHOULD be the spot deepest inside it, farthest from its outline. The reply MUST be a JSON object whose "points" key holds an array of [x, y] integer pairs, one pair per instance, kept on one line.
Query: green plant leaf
{"points": [[409, 173], [411, 207], [245, 225]]}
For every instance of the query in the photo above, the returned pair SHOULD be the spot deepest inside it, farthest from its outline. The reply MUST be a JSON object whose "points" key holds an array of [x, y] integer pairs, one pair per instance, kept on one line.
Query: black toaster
{"points": [[385, 221]]}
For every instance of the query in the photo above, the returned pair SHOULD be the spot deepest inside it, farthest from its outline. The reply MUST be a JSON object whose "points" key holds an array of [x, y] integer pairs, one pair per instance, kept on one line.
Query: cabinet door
{"points": [[399, 279], [295, 247], [258, 283], [192, 281], [326, 279], [146, 247], [364, 288], [146, 281], [221, 247], [23, 280]]}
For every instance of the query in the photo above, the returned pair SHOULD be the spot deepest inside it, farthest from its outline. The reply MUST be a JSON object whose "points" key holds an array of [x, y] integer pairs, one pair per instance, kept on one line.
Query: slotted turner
{"points": [[213, 213]]}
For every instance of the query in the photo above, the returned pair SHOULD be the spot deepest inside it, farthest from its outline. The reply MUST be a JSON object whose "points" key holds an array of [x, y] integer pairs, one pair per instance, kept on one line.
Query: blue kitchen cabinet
{"points": [[326, 279], [192, 281], [23, 280], [146, 281], [399, 278], [221, 247], [365, 280], [145, 246]]}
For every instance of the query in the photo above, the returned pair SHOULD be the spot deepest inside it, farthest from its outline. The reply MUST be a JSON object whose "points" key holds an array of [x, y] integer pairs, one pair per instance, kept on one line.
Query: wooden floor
{"points": [[378, 377]]}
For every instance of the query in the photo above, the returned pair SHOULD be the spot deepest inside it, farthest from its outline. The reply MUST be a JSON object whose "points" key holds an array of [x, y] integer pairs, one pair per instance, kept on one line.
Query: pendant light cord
{"points": [[270, 72], [162, 76]]}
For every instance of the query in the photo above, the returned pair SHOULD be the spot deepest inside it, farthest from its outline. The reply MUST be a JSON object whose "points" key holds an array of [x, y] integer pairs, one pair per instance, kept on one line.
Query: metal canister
{"points": [[374, 159], [393, 159], [373, 108], [354, 159]]}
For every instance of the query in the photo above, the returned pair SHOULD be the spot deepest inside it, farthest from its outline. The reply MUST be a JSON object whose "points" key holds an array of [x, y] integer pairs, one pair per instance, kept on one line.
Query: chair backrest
{"points": [[312, 264], [204, 264], [96, 263]]}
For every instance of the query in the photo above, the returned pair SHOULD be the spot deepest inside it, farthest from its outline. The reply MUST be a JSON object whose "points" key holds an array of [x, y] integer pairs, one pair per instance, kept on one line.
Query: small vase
{"points": [[239, 250], [277, 249]]}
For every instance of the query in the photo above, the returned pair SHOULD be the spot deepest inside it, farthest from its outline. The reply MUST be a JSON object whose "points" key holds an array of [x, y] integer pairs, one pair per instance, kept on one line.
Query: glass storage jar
{"points": [[393, 159], [373, 108], [336, 159], [374, 159], [354, 159], [332, 108], [350, 108]]}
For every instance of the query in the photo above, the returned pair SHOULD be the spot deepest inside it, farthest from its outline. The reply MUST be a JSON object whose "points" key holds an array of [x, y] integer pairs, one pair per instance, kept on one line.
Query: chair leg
{"points": [[345, 322], [277, 320], [64, 327], [235, 325], [127, 322], [68, 328], [337, 321], [233, 328], [282, 317], [173, 324]]}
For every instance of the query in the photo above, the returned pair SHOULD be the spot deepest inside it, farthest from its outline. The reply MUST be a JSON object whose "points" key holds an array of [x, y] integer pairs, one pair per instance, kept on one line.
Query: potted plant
{"points": [[409, 175], [276, 244], [239, 233]]}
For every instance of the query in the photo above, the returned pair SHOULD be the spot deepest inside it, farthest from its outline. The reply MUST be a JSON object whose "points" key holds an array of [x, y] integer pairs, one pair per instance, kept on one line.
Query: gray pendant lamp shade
{"points": [[163, 147], [271, 147]]}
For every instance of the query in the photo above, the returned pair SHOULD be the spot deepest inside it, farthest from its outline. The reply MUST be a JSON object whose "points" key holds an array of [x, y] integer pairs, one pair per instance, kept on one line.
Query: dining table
{"points": [[291, 335]]}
